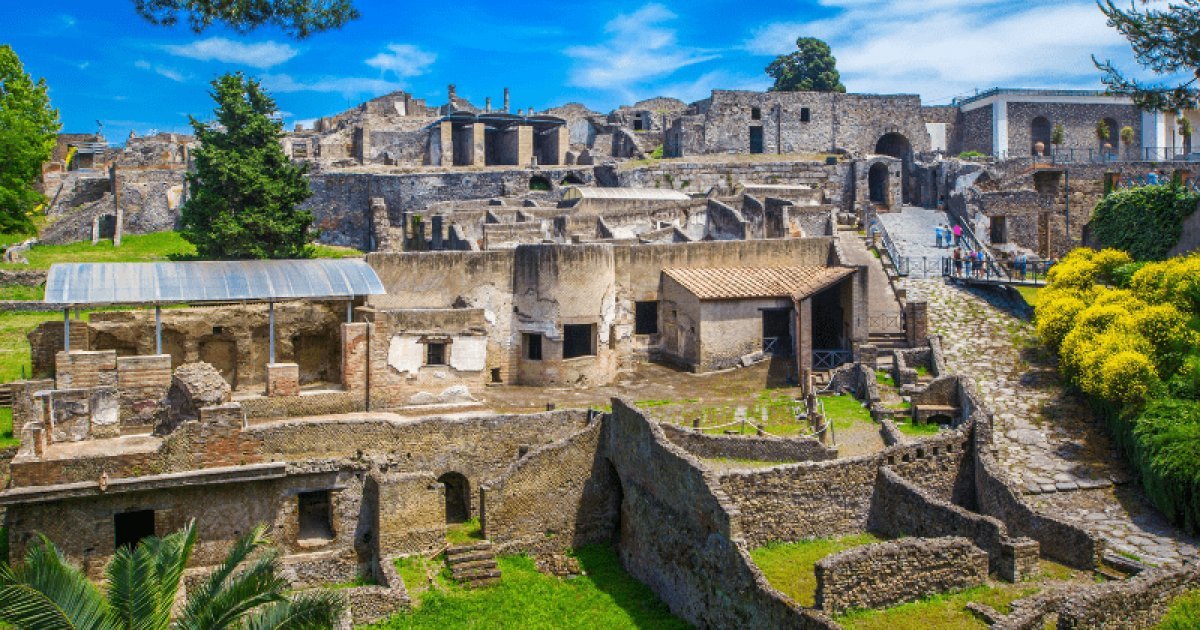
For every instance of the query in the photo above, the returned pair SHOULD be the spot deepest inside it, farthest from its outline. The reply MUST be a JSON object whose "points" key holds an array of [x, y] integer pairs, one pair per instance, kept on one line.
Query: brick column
{"points": [[445, 133], [283, 379], [478, 144], [916, 323], [804, 359], [354, 356], [524, 145]]}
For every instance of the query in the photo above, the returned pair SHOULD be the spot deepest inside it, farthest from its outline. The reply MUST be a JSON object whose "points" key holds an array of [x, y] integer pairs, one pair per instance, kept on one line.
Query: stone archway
{"points": [[895, 144], [1040, 130], [877, 183]]}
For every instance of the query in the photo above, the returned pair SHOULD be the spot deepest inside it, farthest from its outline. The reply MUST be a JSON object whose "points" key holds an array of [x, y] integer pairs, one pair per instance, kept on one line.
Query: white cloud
{"points": [[160, 70], [639, 49], [256, 55], [941, 48], [347, 86], [403, 60]]}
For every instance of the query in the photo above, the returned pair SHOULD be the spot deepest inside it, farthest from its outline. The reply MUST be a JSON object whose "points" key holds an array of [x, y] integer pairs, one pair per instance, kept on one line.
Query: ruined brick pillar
{"points": [[119, 213], [804, 360], [445, 144], [524, 145], [283, 379], [478, 144], [438, 231], [381, 225], [355, 339], [916, 323], [506, 100], [564, 143]]}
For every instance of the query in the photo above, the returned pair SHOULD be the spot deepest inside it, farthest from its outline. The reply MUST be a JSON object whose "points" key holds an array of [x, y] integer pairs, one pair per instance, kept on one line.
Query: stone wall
{"points": [[767, 449], [142, 382], [885, 574], [407, 511], [701, 177], [558, 497]]}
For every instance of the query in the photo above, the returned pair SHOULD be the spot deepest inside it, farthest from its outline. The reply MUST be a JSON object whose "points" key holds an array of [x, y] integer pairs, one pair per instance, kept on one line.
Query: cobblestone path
{"points": [[1045, 437]]}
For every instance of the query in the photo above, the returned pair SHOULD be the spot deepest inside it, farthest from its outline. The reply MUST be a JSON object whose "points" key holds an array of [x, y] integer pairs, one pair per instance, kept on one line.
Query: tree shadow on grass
{"points": [[645, 609]]}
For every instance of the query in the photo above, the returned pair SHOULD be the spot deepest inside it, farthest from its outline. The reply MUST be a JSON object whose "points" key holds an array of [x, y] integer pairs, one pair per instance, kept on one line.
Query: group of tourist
{"points": [[947, 235], [972, 262]]}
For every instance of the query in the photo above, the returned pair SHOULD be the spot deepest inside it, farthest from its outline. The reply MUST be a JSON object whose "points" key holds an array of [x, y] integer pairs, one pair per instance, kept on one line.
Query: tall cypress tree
{"points": [[1166, 41], [243, 188], [28, 126]]}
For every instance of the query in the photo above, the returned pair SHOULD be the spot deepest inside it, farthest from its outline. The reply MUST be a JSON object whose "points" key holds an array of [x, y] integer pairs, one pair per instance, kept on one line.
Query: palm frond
{"points": [[246, 590], [313, 610], [48, 592], [134, 589]]}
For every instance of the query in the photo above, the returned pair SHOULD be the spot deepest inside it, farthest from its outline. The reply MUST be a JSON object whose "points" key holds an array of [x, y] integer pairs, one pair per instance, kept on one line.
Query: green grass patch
{"points": [[922, 371], [1184, 613], [467, 533], [7, 438], [19, 292], [1030, 294], [845, 411], [14, 347], [606, 597], [918, 430], [137, 248], [789, 566], [945, 612], [883, 377], [739, 462]]}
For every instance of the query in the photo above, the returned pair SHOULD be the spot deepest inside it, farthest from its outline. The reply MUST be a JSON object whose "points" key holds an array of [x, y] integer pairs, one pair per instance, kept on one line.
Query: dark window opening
{"points": [[579, 340], [458, 494], [129, 528], [496, 375], [645, 318], [756, 139], [755, 113], [776, 332], [805, 114], [999, 230], [533, 346], [637, 123], [435, 354], [316, 515], [539, 183]]}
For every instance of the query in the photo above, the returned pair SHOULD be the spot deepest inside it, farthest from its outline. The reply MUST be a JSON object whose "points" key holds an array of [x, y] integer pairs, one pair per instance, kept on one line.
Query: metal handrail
{"points": [[975, 245], [1033, 273], [871, 218]]}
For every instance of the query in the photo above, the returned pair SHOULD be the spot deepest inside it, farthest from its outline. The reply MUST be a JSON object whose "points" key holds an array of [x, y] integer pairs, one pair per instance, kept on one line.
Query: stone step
{"points": [[471, 556], [480, 583], [475, 574], [485, 545], [487, 563]]}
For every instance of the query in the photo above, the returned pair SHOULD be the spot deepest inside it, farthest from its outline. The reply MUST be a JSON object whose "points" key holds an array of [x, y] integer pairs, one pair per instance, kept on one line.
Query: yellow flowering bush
{"points": [[1127, 377], [1076, 269], [1056, 317], [1176, 281]]}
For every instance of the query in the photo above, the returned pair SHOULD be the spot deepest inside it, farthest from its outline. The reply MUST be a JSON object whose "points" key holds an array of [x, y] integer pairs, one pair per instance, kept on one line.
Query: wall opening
{"points": [[129, 528], [645, 318], [805, 114], [540, 184], [435, 353], [458, 497], [828, 320], [756, 139], [571, 180], [315, 511], [222, 354], [318, 356], [877, 183], [755, 113], [896, 145], [579, 340], [533, 346], [998, 231], [1040, 130], [1112, 143], [777, 332]]}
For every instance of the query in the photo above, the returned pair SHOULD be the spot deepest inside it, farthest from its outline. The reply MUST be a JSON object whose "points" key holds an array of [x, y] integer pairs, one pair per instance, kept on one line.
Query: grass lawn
{"points": [[739, 462], [918, 430], [467, 533], [789, 566], [945, 612], [845, 411], [1030, 294], [6, 429], [883, 377], [136, 248], [19, 292], [1184, 613], [606, 597], [14, 347]]}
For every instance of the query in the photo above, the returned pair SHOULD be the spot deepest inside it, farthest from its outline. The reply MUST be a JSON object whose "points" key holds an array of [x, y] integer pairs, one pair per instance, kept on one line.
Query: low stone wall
{"points": [[369, 604], [22, 277], [558, 497], [746, 447], [885, 574], [1139, 602], [306, 404]]}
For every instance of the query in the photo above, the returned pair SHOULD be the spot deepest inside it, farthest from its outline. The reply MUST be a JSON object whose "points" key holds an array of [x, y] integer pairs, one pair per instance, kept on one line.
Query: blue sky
{"points": [[104, 63]]}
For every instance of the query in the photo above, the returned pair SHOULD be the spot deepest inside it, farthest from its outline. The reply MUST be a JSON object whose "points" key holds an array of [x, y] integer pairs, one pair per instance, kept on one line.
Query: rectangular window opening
{"points": [[129, 528], [533, 346], [645, 318], [755, 113], [579, 340], [805, 114], [435, 354], [316, 515]]}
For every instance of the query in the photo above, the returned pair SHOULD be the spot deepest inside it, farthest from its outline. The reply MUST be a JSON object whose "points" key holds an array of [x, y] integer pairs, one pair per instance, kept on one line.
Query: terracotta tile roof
{"points": [[734, 283]]}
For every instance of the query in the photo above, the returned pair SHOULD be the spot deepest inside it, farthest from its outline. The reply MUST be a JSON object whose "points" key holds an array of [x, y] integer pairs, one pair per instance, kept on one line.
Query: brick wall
{"points": [[745, 447], [142, 382], [81, 368], [885, 574]]}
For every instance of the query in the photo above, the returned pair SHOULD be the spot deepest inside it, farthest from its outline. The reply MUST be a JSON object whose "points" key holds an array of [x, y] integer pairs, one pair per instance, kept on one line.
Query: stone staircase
{"points": [[473, 565], [887, 341]]}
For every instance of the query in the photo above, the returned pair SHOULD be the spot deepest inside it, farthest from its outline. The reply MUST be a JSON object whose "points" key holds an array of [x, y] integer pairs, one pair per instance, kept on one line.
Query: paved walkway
{"points": [[881, 300], [914, 227], [1045, 438]]}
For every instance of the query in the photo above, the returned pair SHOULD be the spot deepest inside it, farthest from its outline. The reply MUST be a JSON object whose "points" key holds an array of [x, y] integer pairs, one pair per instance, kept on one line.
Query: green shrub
{"points": [[1145, 221], [1166, 443], [1184, 613], [1123, 275], [657, 153], [971, 155]]}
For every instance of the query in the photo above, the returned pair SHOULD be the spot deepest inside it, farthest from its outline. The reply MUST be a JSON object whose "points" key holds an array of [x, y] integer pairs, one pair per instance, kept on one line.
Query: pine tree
{"points": [[811, 68], [28, 126], [1165, 42], [243, 189], [298, 18]]}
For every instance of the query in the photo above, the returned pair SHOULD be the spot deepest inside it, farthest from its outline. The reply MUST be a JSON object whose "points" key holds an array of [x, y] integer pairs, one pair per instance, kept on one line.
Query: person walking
{"points": [[958, 261], [1022, 263], [938, 233], [957, 235]]}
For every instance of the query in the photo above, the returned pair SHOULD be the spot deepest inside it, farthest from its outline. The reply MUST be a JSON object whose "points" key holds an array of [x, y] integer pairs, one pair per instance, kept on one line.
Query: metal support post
{"points": [[271, 330], [157, 329]]}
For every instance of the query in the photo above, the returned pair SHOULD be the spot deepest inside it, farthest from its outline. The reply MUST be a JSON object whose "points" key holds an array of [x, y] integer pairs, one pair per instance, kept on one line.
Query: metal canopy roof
{"points": [[209, 281]]}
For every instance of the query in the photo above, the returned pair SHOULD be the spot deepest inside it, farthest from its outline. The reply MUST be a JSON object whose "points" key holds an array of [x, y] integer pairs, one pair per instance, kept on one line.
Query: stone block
{"points": [[283, 379]]}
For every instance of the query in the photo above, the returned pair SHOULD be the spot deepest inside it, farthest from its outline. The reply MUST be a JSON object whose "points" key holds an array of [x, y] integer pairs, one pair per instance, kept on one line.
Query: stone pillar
{"points": [[436, 236], [487, 105], [804, 359], [860, 307], [478, 144], [119, 226], [1018, 558], [564, 143], [916, 323], [283, 379], [524, 145], [445, 133], [380, 226], [451, 95], [506, 101], [355, 346]]}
